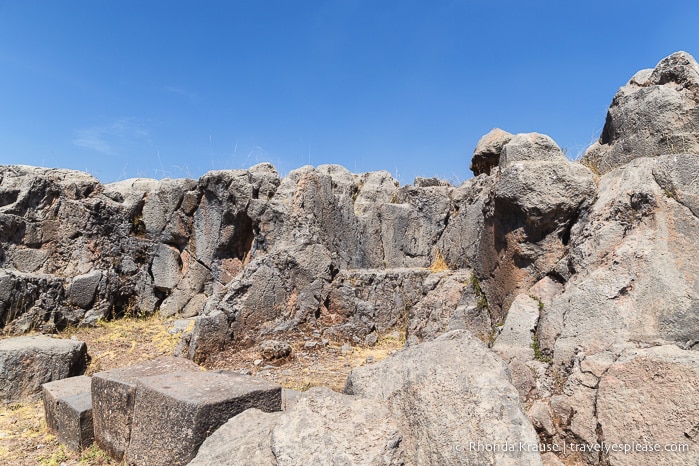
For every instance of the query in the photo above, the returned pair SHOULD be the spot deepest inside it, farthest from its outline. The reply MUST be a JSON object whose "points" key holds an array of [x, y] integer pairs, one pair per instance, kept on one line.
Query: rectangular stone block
{"points": [[26, 363], [113, 397], [68, 411], [175, 413]]}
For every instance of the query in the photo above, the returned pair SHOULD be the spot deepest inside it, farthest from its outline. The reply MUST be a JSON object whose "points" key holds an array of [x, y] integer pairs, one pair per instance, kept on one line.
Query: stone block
{"points": [[175, 413], [113, 397], [26, 363], [68, 411], [83, 288], [166, 267]]}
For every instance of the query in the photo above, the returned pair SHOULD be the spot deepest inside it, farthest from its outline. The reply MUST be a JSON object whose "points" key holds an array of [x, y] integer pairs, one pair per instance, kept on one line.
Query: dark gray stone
{"points": [[174, 413], [68, 411], [113, 398], [166, 267], [26, 363], [83, 288]]}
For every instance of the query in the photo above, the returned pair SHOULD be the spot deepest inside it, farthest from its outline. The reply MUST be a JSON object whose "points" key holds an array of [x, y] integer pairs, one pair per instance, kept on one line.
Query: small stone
{"points": [[274, 349], [258, 362], [346, 349], [310, 344], [370, 359], [325, 341], [371, 339]]}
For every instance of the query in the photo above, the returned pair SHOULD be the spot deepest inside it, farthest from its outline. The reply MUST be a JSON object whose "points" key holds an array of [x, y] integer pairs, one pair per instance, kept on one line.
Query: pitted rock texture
{"points": [[655, 113]]}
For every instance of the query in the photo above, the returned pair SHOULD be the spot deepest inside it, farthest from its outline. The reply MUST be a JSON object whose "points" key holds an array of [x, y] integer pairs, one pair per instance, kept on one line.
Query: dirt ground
{"points": [[25, 440]]}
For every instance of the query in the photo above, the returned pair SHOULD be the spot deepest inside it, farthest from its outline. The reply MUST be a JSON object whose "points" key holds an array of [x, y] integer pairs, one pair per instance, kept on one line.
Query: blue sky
{"points": [[173, 88]]}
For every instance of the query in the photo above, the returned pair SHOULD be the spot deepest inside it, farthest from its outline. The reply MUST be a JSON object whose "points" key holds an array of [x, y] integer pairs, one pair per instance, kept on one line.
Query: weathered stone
{"points": [[527, 225], [530, 147], [365, 435], [174, 413], [68, 411], [113, 398], [487, 152], [28, 260], [83, 288], [677, 176], [211, 333], [274, 349], [424, 386], [637, 248], [648, 397], [421, 182], [655, 113], [244, 439], [517, 334], [166, 267], [26, 363]]}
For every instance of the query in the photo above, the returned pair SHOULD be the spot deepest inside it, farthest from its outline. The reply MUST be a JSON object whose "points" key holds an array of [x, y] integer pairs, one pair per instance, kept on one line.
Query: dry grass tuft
{"points": [[438, 264]]}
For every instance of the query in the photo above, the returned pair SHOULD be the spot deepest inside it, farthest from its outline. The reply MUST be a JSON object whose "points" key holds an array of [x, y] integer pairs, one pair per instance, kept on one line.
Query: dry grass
{"points": [[438, 264], [25, 439], [321, 365]]}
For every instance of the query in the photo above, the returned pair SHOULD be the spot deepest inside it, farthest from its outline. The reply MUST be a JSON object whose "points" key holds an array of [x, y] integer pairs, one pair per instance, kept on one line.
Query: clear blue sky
{"points": [[173, 88]]}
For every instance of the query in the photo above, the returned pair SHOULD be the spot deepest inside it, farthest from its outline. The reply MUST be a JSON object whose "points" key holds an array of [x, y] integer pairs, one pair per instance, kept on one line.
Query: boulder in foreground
{"points": [[26, 363], [113, 397], [68, 409], [174, 413], [454, 401]]}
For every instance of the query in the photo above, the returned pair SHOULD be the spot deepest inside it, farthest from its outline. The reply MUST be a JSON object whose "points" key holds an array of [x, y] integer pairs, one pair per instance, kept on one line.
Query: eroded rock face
{"points": [[655, 113], [537, 197], [424, 387], [308, 433], [243, 250], [650, 397]]}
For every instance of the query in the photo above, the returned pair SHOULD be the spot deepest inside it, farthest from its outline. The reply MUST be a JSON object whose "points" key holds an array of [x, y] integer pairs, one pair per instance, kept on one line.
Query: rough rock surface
{"points": [[650, 397], [486, 156], [655, 113], [175, 412], [26, 363], [308, 433], [537, 198], [424, 387]]}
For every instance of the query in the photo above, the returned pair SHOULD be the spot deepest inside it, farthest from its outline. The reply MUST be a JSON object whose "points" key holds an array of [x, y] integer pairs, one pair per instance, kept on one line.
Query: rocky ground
{"points": [[25, 440]]}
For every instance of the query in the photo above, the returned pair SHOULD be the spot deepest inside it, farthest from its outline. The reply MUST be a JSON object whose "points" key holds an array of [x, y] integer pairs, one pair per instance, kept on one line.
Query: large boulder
{"points": [[114, 398], [453, 400], [26, 363], [632, 283], [537, 197], [174, 413], [321, 427], [648, 401], [655, 113], [529, 147]]}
